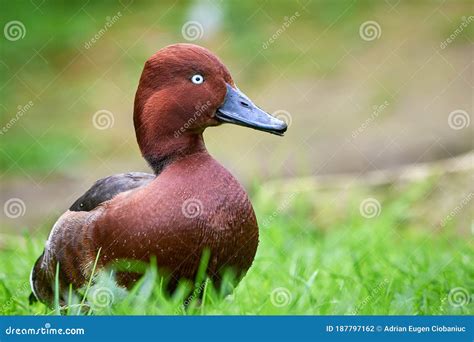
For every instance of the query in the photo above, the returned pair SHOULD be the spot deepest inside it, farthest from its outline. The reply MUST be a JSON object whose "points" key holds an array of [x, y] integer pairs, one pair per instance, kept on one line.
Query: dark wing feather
{"points": [[106, 188], [62, 236]]}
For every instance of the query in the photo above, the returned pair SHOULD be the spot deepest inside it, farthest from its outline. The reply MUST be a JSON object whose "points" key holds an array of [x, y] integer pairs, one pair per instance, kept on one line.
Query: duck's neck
{"points": [[170, 149]]}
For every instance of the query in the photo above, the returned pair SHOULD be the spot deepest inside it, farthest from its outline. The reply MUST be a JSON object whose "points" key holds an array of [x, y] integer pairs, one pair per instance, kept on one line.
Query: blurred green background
{"points": [[357, 100], [318, 73]]}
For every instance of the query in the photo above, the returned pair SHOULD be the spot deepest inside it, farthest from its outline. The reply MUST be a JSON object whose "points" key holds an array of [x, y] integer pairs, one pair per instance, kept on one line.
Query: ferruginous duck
{"points": [[190, 204]]}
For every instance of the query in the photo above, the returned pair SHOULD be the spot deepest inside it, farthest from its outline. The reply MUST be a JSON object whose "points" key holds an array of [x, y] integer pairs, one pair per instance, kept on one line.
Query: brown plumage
{"points": [[192, 203]]}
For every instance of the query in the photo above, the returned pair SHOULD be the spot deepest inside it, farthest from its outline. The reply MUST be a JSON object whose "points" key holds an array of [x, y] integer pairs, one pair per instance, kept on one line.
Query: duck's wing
{"points": [[106, 188], [69, 238]]}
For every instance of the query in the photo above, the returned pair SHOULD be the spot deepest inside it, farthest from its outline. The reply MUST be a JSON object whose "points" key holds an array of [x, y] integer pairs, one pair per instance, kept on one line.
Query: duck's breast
{"points": [[193, 205]]}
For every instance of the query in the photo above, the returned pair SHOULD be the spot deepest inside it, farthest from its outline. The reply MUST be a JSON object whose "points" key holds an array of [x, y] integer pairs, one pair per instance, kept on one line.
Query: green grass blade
{"points": [[57, 309], [89, 283]]}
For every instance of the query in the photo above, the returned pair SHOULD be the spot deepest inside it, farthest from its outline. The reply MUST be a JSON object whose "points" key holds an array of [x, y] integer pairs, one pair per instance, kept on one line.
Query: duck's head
{"points": [[183, 89]]}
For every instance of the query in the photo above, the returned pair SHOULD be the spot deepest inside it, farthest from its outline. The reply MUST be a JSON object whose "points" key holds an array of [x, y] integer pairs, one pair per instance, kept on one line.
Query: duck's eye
{"points": [[197, 79]]}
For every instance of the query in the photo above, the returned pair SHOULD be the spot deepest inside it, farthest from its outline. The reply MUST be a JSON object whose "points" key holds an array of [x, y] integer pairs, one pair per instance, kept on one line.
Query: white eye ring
{"points": [[197, 79]]}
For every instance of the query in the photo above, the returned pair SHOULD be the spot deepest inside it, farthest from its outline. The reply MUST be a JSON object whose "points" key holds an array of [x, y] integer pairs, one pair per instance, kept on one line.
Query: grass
{"points": [[312, 259]]}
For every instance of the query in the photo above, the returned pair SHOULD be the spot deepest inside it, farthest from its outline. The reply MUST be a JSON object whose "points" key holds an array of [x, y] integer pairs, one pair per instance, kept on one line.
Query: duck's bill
{"points": [[240, 110]]}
